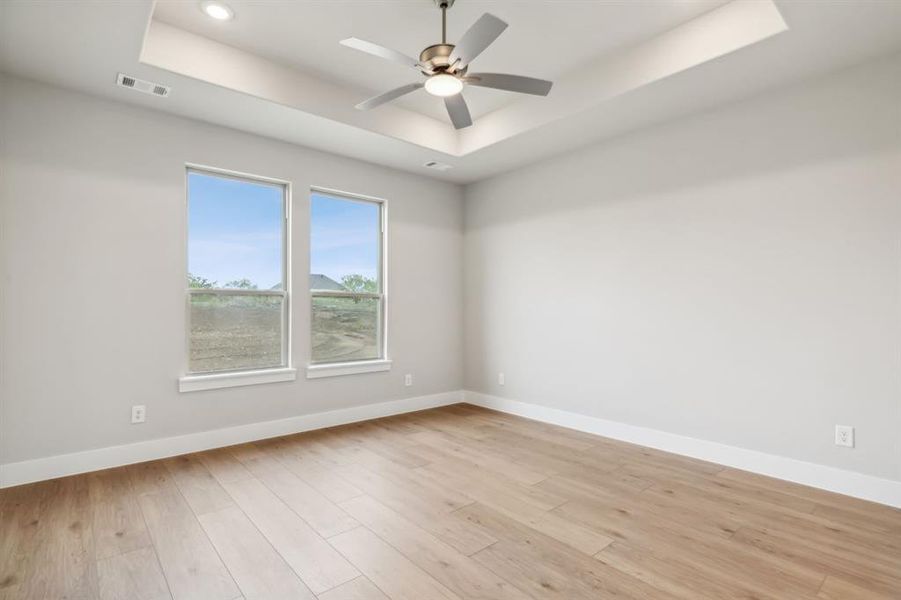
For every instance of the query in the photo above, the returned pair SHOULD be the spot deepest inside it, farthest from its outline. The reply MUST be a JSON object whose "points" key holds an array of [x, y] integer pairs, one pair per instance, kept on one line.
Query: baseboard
{"points": [[849, 483], [61, 465]]}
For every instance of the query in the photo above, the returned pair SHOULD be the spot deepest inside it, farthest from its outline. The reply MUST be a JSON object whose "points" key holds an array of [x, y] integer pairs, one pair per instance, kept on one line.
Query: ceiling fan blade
{"points": [[511, 83], [458, 111], [388, 96], [381, 52], [482, 33]]}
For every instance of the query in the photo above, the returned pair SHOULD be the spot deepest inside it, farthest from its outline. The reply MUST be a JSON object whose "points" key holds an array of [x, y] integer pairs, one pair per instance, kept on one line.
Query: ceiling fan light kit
{"points": [[443, 85], [445, 67]]}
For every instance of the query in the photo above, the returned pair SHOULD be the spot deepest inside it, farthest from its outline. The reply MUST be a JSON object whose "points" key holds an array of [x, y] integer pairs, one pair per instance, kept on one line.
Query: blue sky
{"points": [[345, 237], [235, 231]]}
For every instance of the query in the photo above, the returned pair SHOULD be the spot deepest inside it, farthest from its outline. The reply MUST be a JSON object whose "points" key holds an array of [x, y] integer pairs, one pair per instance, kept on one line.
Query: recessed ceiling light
{"points": [[217, 10], [443, 85]]}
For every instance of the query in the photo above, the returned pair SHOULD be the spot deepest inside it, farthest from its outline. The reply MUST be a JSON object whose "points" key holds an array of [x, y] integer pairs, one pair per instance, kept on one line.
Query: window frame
{"points": [[199, 380], [316, 369]]}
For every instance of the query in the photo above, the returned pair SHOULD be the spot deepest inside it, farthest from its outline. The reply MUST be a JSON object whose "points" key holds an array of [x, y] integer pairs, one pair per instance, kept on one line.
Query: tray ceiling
{"points": [[277, 68]]}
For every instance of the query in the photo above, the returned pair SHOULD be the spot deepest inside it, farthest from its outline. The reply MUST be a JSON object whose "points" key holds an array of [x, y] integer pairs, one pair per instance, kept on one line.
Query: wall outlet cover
{"points": [[844, 436]]}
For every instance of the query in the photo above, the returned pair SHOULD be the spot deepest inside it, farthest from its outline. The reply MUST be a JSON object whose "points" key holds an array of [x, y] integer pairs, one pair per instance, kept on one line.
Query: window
{"points": [[346, 279], [237, 293]]}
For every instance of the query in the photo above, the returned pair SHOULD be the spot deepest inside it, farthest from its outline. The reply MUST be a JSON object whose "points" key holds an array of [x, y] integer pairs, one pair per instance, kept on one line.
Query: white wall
{"points": [[733, 276], [92, 263]]}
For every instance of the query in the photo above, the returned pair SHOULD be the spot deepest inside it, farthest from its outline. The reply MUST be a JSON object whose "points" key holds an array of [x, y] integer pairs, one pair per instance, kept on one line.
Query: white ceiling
{"points": [[277, 69], [544, 39]]}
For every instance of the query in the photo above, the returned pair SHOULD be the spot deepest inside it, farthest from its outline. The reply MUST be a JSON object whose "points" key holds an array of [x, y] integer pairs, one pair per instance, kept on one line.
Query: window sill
{"points": [[348, 368], [195, 383]]}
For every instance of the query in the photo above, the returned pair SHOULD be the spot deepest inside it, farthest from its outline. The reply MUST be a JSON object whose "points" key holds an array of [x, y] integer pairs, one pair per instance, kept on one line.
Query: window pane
{"points": [[234, 233], [344, 244], [345, 329], [235, 332]]}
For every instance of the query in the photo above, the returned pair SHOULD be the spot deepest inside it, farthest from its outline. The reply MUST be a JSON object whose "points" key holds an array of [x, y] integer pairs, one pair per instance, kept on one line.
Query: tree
{"points": [[359, 284], [241, 284], [195, 281]]}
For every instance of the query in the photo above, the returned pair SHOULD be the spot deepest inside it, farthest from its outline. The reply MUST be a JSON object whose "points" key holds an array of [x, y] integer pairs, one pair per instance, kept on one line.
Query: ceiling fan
{"points": [[446, 67]]}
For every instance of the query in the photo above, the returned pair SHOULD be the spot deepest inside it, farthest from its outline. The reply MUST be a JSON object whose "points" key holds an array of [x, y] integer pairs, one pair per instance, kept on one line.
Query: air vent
{"points": [[438, 166], [148, 87]]}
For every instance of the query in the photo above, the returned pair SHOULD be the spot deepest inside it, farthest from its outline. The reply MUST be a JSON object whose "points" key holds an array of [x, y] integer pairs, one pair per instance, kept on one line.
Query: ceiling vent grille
{"points": [[438, 166], [141, 85]]}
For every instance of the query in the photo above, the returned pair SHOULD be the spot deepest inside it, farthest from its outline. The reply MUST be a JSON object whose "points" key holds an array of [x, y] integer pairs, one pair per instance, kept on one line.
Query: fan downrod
{"points": [[437, 56]]}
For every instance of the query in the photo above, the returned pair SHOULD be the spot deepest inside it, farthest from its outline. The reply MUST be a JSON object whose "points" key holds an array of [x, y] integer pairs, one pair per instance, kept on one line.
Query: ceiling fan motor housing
{"points": [[438, 58]]}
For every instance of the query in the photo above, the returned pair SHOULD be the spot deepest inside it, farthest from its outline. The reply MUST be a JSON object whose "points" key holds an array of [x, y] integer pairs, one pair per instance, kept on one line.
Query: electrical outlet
{"points": [[844, 436], [501, 380], [408, 380], [138, 413]]}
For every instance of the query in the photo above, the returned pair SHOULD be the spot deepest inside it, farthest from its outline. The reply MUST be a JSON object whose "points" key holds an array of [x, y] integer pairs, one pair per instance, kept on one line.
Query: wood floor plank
{"points": [[878, 523], [134, 575], [366, 436], [452, 503], [638, 505], [191, 565], [547, 568], [254, 458], [22, 527], [436, 421], [752, 512], [150, 478], [568, 438], [312, 558], [507, 498], [475, 483], [578, 485], [478, 455], [400, 424], [291, 453], [834, 588], [546, 455], [704, 551], [357, 589], [854, 505], [429, 515], [436, 491], [118, 524], [861, 572], [387, 568], [711, 485], [319, 512], [676, 577], [223, 466], [457, 572], [63, 564], [260, 572], [199, 488]]}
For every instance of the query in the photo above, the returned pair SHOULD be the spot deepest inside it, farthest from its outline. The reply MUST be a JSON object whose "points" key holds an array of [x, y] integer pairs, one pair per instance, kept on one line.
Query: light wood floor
{"points": [[444, 504]]}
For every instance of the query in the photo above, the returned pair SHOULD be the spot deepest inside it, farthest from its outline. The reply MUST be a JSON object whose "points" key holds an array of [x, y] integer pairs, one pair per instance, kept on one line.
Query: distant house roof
{"points": [[321, 282]]}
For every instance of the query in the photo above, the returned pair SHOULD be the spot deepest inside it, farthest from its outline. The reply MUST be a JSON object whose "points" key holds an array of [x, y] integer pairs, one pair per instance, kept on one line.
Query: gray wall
{"points": [[92, 262], [733, 276]]}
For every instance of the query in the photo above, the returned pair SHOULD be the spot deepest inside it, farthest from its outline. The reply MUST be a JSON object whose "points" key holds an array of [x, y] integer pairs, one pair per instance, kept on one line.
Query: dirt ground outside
{"points": [[241, 332]]}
